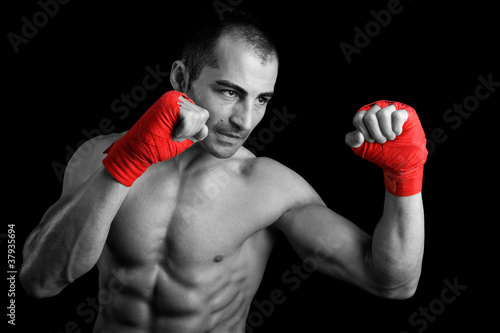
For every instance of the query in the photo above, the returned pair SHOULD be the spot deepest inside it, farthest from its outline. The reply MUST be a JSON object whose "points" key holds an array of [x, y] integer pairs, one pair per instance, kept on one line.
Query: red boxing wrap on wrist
{"points": [[148, 142], [401, 159]]}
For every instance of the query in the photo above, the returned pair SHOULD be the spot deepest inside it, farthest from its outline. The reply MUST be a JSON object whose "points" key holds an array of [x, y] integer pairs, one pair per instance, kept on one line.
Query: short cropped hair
{"points": [[199, 48]]}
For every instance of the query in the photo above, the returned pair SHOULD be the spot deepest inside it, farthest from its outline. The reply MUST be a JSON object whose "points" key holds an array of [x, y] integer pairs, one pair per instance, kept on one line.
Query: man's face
{"points": [[235, 94]]}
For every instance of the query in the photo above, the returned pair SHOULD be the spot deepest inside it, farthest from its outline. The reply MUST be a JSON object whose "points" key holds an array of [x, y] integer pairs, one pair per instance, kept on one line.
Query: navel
{"points": [[218, 258]]}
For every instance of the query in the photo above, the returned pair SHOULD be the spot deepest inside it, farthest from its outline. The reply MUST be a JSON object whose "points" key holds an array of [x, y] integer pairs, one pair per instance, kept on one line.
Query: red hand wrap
{"points": [[401, 159], [149, 141]]}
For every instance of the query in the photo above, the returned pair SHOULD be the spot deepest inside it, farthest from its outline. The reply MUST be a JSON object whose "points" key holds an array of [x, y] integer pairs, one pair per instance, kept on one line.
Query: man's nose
{"points": [[242, 116]]}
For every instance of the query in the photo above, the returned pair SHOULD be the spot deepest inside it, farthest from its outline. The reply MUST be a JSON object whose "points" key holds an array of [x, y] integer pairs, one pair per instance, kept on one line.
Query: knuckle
{"points": [[358, 118], [384, 114], [370, 118], [399, 116], [202, 114], [206, 114], [396, 116]]}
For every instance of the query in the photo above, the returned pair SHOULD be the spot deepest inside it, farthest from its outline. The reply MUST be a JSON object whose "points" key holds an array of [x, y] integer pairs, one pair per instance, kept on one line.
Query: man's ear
{"points": [[179, 76]]}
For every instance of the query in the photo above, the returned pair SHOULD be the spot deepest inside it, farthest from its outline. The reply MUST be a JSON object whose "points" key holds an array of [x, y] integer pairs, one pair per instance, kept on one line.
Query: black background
{"points": [[430, 56]]}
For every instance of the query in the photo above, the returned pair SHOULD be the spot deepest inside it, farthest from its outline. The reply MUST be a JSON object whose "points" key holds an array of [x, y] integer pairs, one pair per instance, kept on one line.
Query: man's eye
{"points": [[229, 93], [263, 100]]}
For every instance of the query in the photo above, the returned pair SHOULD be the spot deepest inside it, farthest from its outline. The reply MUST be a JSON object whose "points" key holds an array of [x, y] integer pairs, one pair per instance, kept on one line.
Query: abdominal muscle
{"points": [[172, 297]]}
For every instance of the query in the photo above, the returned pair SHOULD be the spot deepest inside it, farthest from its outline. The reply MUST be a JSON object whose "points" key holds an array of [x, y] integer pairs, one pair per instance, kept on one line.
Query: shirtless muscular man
{"points": [[192, 269]]}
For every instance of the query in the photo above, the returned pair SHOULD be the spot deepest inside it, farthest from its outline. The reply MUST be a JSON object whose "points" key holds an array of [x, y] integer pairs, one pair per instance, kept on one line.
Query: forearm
{"points": [[398, 243], [69, 239]]}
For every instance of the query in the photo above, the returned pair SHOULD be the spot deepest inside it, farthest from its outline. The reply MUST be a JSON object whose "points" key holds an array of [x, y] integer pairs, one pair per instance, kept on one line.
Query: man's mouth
{"points": [[231, 137]]}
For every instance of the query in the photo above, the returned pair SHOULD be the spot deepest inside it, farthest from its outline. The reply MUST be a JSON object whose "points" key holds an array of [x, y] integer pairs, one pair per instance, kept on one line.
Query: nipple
{"points": [[218, 258]]}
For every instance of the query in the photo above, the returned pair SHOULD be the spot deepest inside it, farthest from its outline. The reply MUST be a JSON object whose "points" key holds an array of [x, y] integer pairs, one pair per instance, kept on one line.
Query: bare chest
{"points": [[191, 221]]}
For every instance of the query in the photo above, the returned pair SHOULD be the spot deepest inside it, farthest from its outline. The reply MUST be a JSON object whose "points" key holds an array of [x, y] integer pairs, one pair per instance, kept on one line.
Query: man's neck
{"points": [[194, 158]]}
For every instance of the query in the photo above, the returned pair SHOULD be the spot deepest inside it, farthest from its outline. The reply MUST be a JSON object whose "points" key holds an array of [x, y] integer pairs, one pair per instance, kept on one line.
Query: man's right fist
{"points": [[191, 123], [150, 140]]}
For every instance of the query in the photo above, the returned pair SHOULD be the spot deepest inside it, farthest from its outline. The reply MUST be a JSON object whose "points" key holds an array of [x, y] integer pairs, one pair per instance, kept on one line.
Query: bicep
{"points": [[338, 247]]}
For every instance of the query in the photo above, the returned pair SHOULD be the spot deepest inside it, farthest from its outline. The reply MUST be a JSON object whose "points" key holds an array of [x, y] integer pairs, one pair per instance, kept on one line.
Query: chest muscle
{"points": [[191, 221]]}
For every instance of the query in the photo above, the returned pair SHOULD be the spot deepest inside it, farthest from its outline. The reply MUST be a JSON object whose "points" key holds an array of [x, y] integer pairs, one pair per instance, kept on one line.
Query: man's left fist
{"points": [[389, 134]]}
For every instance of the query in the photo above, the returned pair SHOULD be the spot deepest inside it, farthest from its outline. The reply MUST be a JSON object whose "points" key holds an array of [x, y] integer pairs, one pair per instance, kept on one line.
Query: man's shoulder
{"points": [[260, 168], [87, 159], [268, 168], [91, 152], [271, 178]]}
